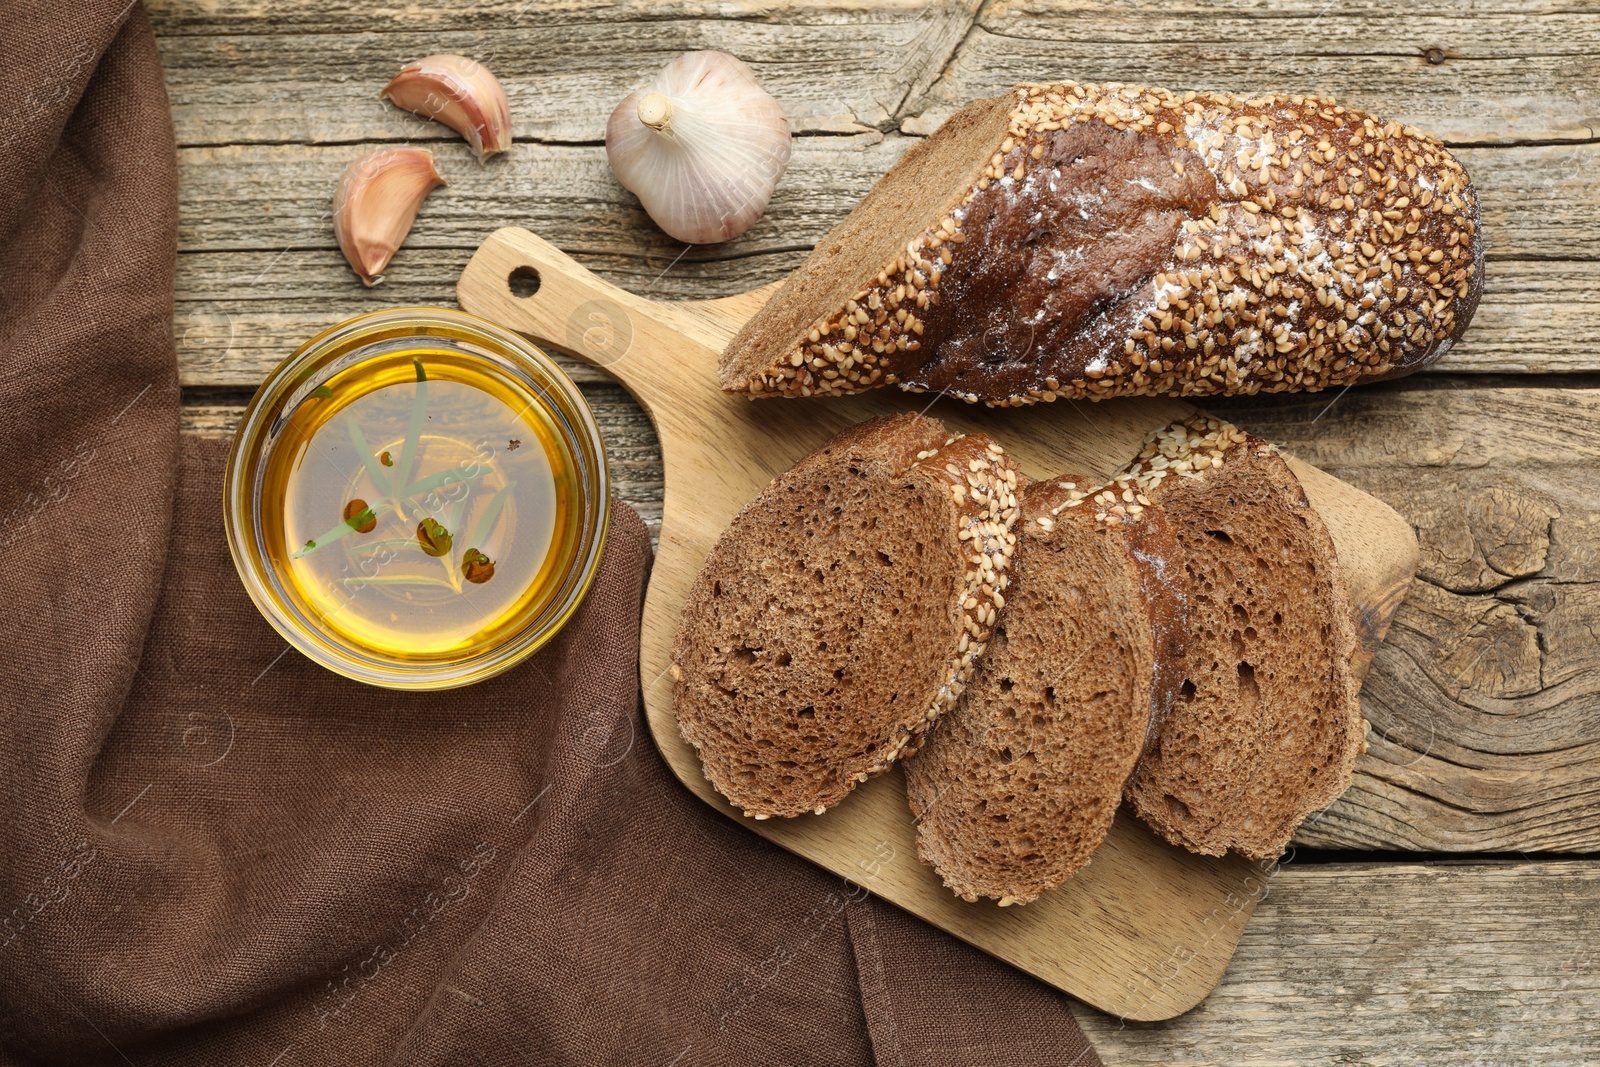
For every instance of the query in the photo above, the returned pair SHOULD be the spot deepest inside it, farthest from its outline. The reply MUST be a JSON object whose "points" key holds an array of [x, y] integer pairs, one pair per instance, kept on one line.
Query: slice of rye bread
{"points": [[1017, 786], [842, 611], [1267, 724], [1111, 240]]}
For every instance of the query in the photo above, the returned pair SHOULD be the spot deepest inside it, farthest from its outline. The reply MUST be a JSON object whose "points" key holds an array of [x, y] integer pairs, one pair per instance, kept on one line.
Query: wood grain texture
{"points": [[1512, 73], [1450, 965], [1485, 700], [1516, 72], [261, 74], [260, 271], [1102, 935], [239, 313], [1537, 201]]}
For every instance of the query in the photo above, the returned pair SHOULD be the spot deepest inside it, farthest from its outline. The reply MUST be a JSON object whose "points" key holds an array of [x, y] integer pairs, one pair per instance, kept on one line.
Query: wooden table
{"points": [[1444, 911]]}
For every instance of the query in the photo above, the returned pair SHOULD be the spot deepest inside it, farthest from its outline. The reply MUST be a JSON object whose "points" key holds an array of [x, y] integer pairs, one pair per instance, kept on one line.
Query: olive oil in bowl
{"points": [[424, 507]]}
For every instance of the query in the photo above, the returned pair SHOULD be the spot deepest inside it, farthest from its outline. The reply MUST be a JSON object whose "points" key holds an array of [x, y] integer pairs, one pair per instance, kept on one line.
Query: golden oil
{"points": [[419, 506]]}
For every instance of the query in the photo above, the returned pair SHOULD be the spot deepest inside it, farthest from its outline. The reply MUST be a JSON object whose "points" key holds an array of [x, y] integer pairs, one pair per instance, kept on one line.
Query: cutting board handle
{"points": [[656, 349]]}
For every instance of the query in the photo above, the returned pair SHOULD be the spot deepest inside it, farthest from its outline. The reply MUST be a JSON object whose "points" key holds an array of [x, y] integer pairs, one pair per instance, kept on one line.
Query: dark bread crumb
{"points": [[1017, 787], [842, 612], [1267, 724]]}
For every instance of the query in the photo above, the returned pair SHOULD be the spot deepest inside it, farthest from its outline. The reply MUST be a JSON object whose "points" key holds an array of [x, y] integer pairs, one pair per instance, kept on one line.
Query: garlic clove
{"points": [[376, 203], [459, 92], [702, 146]]}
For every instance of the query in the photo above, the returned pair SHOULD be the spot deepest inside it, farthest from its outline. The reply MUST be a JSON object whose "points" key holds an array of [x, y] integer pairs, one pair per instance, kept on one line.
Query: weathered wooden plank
{"points": [[270, 197], [1537, 201], [260, 271], [1531, 314], [192, 17], [1476, 965], [562, 76], [182, 17], [1485, 698], [209, 17], [1501, 76], [239, 313], [1508, 75]]}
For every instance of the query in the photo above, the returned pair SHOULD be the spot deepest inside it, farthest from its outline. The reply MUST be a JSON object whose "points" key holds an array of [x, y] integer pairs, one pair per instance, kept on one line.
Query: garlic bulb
{"points": [[459, 92], [376, 203], [702, 146]]}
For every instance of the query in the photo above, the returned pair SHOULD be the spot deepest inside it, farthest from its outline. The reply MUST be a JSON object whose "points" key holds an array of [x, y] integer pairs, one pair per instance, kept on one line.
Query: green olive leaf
{"points": [[360, 517], [358, 441], [413, 441], [485, 526], [340, 531]]}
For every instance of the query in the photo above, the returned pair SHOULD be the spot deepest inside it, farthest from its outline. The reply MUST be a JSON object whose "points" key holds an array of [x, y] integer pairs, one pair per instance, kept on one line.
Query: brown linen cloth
{"points": [[215, 852]]}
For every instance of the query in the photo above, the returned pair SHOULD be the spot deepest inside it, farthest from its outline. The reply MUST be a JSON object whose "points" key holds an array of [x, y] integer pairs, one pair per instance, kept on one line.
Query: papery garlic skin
{"points": [[702, 146], [376, 203], [459, 92]]}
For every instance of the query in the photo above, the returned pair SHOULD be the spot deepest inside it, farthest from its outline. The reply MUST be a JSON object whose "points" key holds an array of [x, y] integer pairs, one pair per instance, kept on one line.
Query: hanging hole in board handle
{"points": [[523, 282]]}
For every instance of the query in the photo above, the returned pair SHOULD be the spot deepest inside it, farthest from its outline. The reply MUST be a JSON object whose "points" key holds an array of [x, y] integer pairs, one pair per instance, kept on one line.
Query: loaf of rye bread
{"points": [[1093, 241], [1266, 725], [1017, 786], [842, 611]]}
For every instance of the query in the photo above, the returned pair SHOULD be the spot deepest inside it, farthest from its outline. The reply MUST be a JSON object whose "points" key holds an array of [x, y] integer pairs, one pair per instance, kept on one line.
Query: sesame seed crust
{"points": [[1187, 449], [1281, 243], [1115, 503], [984, 483]]}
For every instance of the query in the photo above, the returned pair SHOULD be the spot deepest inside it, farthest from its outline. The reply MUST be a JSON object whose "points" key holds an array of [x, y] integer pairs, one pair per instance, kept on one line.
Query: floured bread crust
{"points": [[1124, 240]]}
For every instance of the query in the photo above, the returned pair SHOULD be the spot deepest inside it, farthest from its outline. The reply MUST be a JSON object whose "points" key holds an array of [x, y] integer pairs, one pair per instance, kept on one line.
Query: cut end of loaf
{"points": [[1092, 241], [819, 332], [842, 612]]}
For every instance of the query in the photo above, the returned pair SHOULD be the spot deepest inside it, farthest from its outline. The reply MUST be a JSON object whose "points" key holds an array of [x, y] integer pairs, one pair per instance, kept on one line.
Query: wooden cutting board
{"points": [[1146, 930]]}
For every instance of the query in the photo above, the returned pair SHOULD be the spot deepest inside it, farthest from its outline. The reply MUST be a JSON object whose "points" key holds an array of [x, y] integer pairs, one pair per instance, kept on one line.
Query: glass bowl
{"points": [[417, 498]]}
